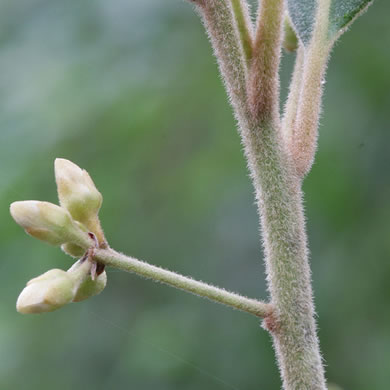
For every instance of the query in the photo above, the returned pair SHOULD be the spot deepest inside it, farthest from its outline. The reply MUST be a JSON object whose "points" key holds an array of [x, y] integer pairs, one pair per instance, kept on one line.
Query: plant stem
{"points": [[244, 25], [288, 272], [304, 134], [291, 108], [263, 85], [112, 258], [278, 192], [217, 17]]}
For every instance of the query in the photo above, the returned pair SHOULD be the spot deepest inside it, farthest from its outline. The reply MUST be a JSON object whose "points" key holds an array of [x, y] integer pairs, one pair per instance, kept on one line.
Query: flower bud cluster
{"points": [[69, 226], [69, 223], [56, 288]]}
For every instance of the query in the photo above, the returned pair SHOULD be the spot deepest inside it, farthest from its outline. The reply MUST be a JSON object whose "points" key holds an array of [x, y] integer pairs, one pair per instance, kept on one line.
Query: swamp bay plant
{"points": [[279, 152]]}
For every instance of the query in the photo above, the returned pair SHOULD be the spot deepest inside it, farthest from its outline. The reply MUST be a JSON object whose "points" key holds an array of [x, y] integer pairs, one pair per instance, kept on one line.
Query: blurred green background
{"points": [[129, 90]]}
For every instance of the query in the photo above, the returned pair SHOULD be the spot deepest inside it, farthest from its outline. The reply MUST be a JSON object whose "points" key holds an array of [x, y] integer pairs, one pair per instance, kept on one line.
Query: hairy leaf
{"points": [[302, 14], [341, 14]]}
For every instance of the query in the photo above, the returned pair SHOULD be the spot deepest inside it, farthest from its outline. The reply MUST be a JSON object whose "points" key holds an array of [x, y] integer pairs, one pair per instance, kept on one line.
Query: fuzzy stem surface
{"points": [[288, 273], [278, 193], [263, 80], [291, 107], [303, 138], [244, 25], [115, 259], [279, 198], [218, 19]]}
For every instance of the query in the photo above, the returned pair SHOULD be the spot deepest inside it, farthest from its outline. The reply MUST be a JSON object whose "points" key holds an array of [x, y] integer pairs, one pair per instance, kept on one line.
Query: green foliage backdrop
{"points": [[129, 90]]}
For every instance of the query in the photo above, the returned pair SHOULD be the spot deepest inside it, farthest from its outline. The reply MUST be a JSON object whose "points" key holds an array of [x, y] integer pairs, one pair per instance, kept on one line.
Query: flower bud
{"points": [[47, 222], [290, 40], [76, 191], [73, 250], [89, 287], [86, 286], [46, 293]]}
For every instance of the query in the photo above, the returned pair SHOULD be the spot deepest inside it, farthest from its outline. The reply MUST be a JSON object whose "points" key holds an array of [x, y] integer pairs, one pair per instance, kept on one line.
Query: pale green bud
{"points": [[86, 286], [76, 191], [48, 222], [89, 287], [47, 292], [73, 250], [290, 40]]}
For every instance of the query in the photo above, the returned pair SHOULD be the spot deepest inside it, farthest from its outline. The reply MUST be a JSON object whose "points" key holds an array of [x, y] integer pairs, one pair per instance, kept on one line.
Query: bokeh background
{"points": [[129, 90]]}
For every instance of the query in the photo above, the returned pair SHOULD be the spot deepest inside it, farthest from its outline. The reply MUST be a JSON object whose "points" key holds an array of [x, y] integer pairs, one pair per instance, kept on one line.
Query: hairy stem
{"points": [[263, 85], [286, 255], [278, 195], [218, 19], [291, 108], [112, 258], [244, 25], [281, 213], [305, 130]]}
